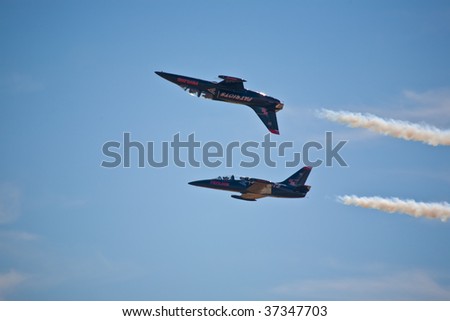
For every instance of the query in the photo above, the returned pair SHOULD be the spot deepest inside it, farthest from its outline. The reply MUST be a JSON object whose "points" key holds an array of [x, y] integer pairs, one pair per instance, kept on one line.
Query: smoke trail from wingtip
{"points": [[396, 128], [395, 205]]}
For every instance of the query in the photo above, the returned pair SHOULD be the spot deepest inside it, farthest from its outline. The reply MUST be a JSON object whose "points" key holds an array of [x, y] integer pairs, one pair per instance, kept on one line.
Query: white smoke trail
{"points": [[392, 205], [396, 128]]}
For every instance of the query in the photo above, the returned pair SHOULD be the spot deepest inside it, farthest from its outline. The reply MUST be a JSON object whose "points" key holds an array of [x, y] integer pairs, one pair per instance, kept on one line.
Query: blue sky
{"points": [[76, 74]]}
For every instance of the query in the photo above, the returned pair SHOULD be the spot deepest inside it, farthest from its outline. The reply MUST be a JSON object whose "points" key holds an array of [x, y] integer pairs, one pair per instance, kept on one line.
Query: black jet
{"points": [[253, 188], [231, 90]]}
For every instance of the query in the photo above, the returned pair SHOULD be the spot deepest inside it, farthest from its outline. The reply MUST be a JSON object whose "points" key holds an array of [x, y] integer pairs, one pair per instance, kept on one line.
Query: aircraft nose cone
{"points": [[202, 183], [195, 183], [167, 76], [159, 73]]}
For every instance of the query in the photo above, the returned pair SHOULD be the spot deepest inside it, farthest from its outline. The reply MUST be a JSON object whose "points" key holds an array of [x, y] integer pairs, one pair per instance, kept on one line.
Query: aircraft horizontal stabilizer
{"points": [[231, 79]]}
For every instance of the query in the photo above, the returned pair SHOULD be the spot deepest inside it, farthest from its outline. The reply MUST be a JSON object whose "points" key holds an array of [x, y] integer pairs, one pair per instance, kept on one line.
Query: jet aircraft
{"points": [[254, 188], [231, 90]]}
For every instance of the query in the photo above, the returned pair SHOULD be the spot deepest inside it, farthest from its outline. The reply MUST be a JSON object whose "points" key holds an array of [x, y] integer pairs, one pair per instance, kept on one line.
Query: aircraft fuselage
{"points": [[241, 185], [253, 188], [231, 90], [215, 91]]}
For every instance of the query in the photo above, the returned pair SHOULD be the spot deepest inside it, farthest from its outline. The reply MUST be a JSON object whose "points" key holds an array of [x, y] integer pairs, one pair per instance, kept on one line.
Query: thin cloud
{"points": [[9, 281], [394, 205], [18, 236], [9, 203], [395, 128], [20, 83], [433, 105], [404, 285]]}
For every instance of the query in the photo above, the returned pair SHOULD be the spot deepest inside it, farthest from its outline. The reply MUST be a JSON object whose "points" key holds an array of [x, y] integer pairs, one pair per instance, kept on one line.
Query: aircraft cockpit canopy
{"points": [[226, 178]]}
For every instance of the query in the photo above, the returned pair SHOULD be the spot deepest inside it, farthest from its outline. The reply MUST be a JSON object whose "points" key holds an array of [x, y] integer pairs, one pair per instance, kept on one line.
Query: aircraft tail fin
{"points": [[299, 177]]}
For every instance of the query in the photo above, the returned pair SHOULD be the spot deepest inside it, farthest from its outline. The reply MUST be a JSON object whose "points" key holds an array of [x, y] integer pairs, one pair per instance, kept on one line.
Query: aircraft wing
{"points": [[268, 117], [259, 187]]}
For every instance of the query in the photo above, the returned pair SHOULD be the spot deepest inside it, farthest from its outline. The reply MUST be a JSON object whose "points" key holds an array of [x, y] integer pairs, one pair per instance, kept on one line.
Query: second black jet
{"points": [[231, 90], [254, 188]]}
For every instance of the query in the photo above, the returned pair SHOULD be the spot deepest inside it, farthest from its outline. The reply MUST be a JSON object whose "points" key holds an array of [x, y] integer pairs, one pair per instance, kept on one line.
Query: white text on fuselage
{"points": [[236, 97]]}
